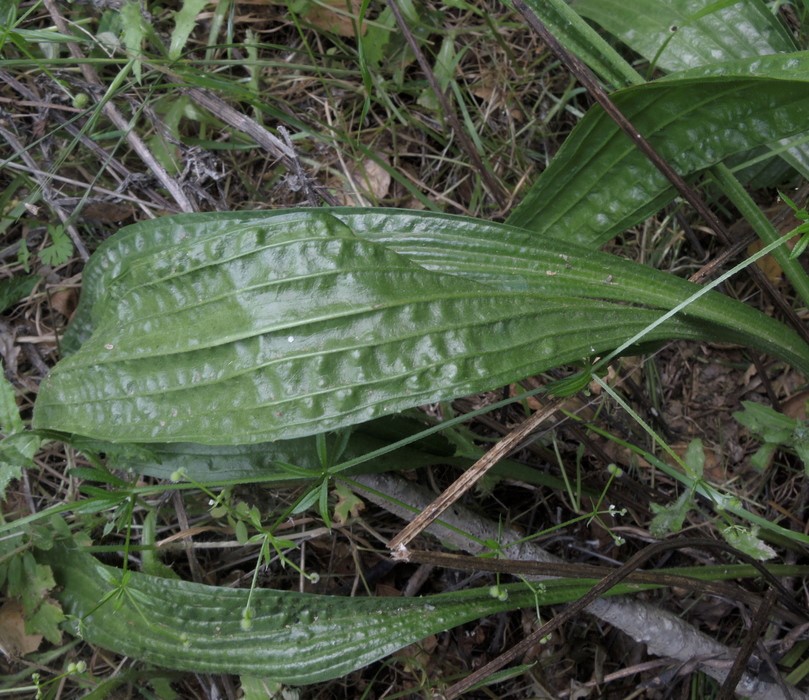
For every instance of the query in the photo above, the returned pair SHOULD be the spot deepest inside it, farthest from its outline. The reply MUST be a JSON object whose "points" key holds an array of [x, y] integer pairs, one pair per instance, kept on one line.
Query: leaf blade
{"points": [[295, 638], [267, 330], [584, 195]]}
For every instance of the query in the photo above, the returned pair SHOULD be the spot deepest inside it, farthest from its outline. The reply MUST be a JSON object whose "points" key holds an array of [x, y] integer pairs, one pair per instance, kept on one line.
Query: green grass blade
{"points": [[288, 461], [580, 39]]}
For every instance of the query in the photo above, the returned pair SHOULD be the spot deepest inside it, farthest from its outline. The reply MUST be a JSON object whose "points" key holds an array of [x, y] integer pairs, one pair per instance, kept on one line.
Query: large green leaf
{"points": [[677, 35], [287, 324], [599, 184], [680, 34], [294, 638]]}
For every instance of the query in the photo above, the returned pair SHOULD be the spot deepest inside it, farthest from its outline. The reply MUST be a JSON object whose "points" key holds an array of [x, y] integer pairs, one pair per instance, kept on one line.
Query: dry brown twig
{"points": [[278, 148], [398, 545]]}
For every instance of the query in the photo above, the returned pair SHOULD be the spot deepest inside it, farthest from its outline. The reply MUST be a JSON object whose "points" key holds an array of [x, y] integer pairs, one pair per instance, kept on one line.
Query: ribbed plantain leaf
{"points": [[289, 324], [294, 638], [599, 184], [680, 34]]}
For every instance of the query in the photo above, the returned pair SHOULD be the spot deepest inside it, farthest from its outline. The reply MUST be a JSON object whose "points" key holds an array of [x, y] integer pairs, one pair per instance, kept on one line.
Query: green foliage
{"points": [[17, 447], [30, 581], [599, 184], [670, 518], [133, 33], [309, 321], [801, 230], [221, 347], [185, 20], [747, 540], [775, 430], [292, 637], [676, 35], [15, 289], [60, 250]]}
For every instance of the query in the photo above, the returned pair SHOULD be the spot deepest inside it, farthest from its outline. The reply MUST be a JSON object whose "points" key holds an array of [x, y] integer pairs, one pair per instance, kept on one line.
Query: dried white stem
{"points": [[664, 633]]}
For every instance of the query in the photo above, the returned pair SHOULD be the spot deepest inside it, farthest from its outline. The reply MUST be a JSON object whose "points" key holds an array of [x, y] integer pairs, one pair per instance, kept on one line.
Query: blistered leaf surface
{"points": [[236, 331]]}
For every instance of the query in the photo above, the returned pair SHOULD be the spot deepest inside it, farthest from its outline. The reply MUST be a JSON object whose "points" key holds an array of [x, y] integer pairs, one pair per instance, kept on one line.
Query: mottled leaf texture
{"points": [[676, 35], [235, 329]]}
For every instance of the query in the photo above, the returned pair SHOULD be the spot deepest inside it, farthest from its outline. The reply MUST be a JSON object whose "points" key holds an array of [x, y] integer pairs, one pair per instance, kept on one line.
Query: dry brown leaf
{"points": [[371, 180], [335, 16], [795, 406], [767, 264], [107, 212], [14, 642], [65, 301], [416, 656]]}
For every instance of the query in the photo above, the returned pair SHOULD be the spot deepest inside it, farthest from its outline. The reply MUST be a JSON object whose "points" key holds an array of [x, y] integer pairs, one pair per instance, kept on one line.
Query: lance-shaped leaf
{"points": [[680, 34], [291, 637], [289, 324], [599, 184]]}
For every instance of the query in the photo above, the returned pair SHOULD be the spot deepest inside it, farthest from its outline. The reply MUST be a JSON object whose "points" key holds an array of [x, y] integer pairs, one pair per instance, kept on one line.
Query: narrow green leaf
{"points": [[580, 39], [599, 184], [300, 322], [134, 32], [694, 459], [184, 21], [10, 420], [294, 638]]}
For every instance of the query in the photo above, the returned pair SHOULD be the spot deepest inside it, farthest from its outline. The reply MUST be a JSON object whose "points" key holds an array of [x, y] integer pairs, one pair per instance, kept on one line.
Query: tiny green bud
{"points": [[247, 619], [498, 593], [81, 100], [615, 470]]}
